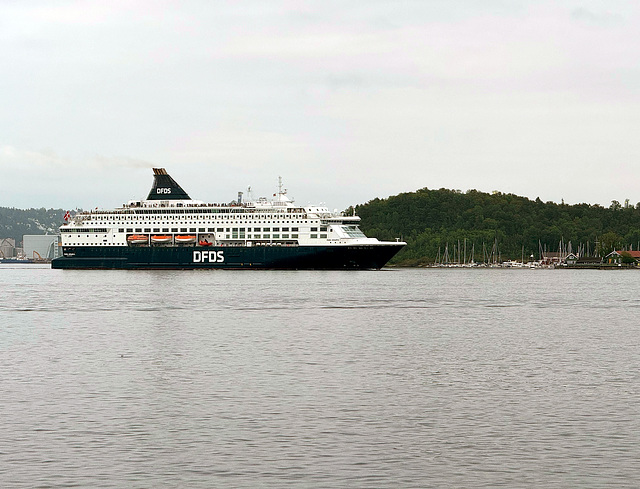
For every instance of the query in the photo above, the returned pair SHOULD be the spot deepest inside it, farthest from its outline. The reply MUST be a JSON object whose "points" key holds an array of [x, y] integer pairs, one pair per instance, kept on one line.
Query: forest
{"points": [[513, 227], [15, 223]]}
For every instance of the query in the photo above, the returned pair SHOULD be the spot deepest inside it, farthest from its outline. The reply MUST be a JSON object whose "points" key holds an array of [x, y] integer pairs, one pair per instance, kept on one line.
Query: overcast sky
{"points": [[346, 100]]}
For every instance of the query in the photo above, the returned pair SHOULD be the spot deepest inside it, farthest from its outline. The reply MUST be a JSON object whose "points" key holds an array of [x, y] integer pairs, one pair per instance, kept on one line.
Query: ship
{"points": [[169, 230]]}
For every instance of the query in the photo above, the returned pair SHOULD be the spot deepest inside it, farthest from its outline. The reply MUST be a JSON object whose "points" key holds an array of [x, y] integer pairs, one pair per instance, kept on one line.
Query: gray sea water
{"points": [[406, 378]]}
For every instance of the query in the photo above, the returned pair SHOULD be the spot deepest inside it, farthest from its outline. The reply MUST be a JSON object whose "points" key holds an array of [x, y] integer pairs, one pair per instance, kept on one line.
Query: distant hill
{"points": [[14, 223], [432, 220]]}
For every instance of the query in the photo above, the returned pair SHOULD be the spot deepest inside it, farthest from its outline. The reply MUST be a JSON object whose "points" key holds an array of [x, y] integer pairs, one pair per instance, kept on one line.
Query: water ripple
{"points": [[416, 378]]}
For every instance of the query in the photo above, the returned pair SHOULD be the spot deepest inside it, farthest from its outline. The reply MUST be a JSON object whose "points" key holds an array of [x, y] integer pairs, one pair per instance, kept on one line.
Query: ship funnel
{"points": [[165, 187]]}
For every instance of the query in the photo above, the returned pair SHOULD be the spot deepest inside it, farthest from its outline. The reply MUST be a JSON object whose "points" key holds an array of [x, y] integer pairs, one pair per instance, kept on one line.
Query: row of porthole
{"points": [[199, 223]]}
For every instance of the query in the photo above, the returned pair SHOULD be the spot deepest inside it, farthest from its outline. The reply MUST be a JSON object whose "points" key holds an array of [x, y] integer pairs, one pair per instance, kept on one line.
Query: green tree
{"points": [[609, 242]]}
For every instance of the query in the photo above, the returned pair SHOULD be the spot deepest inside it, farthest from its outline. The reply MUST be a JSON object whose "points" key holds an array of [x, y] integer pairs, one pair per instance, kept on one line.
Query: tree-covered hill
{"points": [[14, 223], [432, 220]]}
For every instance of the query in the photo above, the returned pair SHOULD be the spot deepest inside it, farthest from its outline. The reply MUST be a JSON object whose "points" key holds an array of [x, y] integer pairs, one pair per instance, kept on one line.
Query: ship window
{"points": [[147, 230], [256, 230], [121, 230], [314, 229], [276, 229], [295, 230], [353, 232], [192, 230], [294, 235], [156, 230], [285, 229], [220, 230], [256, 236], [165, 230], [323, 235], [202, 230], [183, 230], [174, 230], [285, 236], [267, 229], [138, 230], [323, 228], [266, 236], [276, 236]]}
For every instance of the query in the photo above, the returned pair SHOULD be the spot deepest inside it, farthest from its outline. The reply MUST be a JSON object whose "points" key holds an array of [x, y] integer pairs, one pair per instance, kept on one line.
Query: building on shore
{"points": [[589, 261], [620, 256], [41, 246], [7, 247]]}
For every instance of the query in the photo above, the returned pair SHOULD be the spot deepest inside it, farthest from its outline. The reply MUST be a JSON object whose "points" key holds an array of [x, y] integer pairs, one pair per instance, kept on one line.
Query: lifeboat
{"points": [[138, 238], [161, 239], [205, 242], [185, 239]]}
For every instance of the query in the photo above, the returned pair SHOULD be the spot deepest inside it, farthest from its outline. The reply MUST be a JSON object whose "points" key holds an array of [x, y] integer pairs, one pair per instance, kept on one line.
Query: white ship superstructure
{"points": [[263, 222]]}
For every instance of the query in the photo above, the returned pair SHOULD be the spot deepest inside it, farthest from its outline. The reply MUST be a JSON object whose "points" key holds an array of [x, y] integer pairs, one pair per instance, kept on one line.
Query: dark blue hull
{"points": [[356, 257]]}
